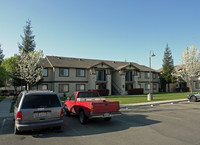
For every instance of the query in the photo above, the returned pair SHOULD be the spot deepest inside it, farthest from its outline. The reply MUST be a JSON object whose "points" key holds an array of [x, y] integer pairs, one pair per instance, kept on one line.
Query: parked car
{"points": [[5, 93], [35, 110], [194, 97], [88, 105]]}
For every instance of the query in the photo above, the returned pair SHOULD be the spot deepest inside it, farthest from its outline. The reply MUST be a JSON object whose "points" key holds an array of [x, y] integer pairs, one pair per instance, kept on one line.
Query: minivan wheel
{"points": [[82, 117], [193, 99], [67, 112]]}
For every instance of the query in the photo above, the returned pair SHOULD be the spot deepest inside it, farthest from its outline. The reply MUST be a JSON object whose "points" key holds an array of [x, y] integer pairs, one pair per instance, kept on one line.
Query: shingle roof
{"points": [[44, 63], [56, 61]]}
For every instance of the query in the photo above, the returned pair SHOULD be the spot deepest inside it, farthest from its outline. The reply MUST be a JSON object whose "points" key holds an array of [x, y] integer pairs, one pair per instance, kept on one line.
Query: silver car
{"points": [[36, 110]]}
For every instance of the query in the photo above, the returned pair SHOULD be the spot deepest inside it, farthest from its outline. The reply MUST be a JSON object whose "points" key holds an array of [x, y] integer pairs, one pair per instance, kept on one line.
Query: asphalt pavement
{"points": [[5, 107]]}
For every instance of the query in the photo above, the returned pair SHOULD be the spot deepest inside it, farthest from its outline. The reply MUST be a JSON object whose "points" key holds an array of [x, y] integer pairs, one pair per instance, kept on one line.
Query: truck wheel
{"points": [[67, 112], [82, 117], [193, 99], [107, 118]]}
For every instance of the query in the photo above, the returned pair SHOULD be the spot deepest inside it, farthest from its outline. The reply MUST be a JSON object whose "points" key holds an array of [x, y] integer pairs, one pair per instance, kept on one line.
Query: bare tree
{"points": [[28, 67], [190, 66]]}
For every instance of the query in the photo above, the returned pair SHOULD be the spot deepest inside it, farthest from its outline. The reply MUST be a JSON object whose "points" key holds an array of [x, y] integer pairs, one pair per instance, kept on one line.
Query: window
{"points": [[139, 74], [80, 87], [128, 86], [129, 76], [45, 72], [63, 72], [63, 88], [154, 86], [80, 72], [147, 75], [40, 101], [44, 87], [154, 75], [19, 99], [197, 85], [139, 86], [73, 97], [147, 86], [101, 75]]}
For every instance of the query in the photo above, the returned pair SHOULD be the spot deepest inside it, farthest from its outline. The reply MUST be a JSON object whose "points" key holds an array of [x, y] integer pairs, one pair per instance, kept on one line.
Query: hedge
{"points": [[185, 89], [102, 92], [136, 91]]}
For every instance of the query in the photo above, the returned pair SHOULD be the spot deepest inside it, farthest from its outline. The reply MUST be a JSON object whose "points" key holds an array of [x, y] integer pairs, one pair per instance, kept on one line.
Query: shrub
{"points": [[185, 89], [136, 91], [177, 89], [102, 92]]}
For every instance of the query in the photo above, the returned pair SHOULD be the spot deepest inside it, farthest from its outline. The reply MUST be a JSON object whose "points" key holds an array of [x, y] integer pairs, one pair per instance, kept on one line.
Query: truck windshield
{"points": [[87, 95]]}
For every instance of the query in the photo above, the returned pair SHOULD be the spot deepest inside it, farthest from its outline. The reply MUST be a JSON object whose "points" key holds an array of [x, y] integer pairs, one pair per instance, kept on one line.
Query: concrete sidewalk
{"points": [[5, 107], [153, 103]]}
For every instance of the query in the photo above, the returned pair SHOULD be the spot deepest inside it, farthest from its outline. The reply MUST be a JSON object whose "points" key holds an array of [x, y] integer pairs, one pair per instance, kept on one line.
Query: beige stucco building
{"points": [[65, 75]]}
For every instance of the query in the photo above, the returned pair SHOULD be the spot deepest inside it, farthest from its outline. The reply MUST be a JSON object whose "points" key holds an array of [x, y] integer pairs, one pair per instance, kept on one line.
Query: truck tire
{"points": [[107, 118], [67, 112], [193, 99], [82, 117]]}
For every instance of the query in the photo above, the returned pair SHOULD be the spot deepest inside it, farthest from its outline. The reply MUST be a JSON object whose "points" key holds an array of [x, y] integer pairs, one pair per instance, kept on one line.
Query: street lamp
{"points": [[150, 96]]}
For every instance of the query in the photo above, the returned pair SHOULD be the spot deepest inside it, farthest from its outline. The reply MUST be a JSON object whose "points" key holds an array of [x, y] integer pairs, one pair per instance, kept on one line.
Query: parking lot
{"points": [[165, 124]]}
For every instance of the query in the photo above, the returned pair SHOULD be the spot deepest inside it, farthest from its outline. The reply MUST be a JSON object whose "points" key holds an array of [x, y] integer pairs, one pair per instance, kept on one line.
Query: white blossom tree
{"points": [[28, 67], [190, 66]]}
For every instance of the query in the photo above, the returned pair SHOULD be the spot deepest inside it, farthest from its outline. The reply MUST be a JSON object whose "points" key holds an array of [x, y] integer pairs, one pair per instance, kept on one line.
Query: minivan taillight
{"points": [[61, 112], [19, 116]]}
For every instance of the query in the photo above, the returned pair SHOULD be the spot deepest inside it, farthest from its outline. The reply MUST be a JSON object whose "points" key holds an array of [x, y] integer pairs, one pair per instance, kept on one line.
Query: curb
{"points": [[152, 103]]}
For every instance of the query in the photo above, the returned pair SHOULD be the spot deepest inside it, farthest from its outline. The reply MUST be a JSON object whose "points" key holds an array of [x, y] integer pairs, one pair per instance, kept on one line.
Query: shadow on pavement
{"points": [[72, 127]]}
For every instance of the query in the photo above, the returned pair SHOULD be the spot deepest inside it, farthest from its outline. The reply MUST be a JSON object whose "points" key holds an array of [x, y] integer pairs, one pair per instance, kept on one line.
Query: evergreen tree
{"points": [[1, 55], [168, 68], [28, 43]]}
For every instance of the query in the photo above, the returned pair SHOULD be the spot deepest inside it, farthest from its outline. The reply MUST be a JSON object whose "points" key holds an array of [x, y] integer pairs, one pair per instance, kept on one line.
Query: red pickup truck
{"points": [[88, 105]]}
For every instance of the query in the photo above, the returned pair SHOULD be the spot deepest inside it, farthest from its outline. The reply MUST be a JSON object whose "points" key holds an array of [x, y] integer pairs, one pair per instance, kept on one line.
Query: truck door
{"points": [[72, 102]]}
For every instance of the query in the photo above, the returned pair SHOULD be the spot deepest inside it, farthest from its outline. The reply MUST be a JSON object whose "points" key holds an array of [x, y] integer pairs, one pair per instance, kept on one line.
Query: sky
{"points": [[120, 30]]}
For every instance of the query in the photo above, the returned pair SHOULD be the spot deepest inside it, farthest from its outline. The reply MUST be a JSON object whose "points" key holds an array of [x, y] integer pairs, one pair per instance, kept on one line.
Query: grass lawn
{"points": [[1, 98], [129, 99]]}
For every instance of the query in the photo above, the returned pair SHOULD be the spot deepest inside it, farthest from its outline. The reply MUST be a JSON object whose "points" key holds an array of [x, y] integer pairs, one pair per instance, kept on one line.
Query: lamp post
{"points": [[150, 96]]}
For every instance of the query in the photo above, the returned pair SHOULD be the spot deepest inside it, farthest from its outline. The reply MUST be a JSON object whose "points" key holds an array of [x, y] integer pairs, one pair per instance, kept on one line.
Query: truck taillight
{"points": [[19, 116], [61, 112], [91, 108]]}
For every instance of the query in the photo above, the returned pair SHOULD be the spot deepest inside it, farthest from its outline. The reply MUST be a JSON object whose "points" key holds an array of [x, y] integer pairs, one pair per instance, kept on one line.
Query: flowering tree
{"points": [[28, 67], [190, 66]]}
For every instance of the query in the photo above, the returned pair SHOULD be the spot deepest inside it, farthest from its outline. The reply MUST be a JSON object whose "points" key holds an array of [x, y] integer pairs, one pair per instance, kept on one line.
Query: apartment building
{"points": [[65, 75]]}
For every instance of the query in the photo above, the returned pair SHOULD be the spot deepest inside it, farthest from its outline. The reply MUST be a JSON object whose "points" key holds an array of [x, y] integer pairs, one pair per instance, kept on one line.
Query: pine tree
{"points": [[28, 43], [1, 55], [168, 68]]}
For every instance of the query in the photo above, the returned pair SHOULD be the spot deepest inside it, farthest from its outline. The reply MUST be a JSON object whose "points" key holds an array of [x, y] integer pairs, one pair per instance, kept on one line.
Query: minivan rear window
{"points": [[40, 101]]}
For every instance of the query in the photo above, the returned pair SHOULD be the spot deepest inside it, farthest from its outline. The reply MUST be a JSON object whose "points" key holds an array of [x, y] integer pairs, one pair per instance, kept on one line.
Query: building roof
{"points": [[56, 61]]}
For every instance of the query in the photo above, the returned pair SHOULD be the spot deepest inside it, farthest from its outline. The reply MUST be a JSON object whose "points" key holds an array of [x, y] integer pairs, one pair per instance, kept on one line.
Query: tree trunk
{"points": [[27, 87], [191, 86], [168, 88]]}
